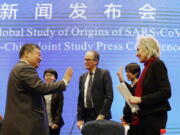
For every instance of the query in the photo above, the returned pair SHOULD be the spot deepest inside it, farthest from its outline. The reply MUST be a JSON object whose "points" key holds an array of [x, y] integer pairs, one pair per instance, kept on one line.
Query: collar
{"points": [[150, 60], [24, 61], [94, 71]]}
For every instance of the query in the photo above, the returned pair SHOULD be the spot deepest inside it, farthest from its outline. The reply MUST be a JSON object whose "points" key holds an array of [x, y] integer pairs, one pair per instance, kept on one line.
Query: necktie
{"points": [[88, 94]]}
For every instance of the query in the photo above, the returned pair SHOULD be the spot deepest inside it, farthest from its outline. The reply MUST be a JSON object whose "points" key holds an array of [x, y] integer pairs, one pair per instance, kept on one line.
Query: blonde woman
{"points": [[152, 90]]}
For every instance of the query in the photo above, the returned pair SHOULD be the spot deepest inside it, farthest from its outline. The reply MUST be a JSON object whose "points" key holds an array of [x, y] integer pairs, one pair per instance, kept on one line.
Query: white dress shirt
{"points": [[48, 108]]}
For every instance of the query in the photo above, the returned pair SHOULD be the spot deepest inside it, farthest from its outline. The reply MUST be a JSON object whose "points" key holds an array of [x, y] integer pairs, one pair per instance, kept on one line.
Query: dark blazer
{"points": [[25, 112], [127, 114], [102, 93], [57, 102], [156, 89]]}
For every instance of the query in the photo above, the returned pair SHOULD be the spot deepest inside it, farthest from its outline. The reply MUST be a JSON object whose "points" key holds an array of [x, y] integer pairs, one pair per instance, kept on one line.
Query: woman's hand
{"points": [[119, 74], [135, 100]]}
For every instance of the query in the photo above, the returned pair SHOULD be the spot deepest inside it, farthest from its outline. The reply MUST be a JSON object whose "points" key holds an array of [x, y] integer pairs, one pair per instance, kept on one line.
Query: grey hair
{"points": [[149, 44], [95, 54]]}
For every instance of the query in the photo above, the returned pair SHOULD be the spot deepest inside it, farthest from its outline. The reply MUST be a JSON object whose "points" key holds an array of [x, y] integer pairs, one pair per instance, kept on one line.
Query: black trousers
{"points": [[150, 124], [54, 131], [89, 114]]}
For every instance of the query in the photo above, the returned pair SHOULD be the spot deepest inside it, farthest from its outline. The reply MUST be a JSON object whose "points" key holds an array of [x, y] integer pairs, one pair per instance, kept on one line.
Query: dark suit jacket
{"points": [[156, 89], [57, 102], [25, 112], [102, 93]]}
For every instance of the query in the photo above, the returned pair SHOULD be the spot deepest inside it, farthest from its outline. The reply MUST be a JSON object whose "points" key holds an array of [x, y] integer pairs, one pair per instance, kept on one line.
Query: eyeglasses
{"points": [[88, 59]]}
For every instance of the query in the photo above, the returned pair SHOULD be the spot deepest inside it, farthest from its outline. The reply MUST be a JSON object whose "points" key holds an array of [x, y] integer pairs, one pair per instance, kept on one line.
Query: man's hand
{"points": [[100, 117], [54, 126], [135, 100], [68, 74], [80, 124], [123, 122]]}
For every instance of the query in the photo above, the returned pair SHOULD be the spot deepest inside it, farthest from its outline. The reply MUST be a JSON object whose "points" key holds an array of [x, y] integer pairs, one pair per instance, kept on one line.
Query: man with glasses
{"points": [[95, 91]]}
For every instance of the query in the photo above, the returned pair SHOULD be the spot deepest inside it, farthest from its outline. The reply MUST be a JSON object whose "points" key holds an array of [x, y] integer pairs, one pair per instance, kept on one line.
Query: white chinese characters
{"points": [[147, 12], [43, 10], [8, 11], [78, 11], [113, 11]]}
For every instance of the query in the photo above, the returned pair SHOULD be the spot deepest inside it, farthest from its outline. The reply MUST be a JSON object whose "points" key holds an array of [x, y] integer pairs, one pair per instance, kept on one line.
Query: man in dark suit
{"points": [[25, 112], [95, 91], [54, 104]]}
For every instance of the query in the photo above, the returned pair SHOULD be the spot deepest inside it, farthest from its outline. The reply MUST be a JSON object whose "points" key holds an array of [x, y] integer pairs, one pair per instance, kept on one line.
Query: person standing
{"points": [[152, 90], [133, 71], [95, 91], [54, 104], [25, 112]]}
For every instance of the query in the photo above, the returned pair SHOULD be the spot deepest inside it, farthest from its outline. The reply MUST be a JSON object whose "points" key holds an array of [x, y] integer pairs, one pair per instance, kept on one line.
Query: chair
{"points": [[102, 127]]}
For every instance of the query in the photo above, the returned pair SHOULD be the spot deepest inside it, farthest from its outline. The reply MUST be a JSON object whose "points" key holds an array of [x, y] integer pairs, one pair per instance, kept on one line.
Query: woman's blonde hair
{"points": [[149, 44]]}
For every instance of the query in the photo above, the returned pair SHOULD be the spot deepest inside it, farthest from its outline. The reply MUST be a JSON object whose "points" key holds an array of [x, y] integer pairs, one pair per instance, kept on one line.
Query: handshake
{"points": [[68, 74]]}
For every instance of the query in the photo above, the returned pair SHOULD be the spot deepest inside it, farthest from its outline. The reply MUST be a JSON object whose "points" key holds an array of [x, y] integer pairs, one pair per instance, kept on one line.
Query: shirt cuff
{"points": [[66, 83], [81, 127]]}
